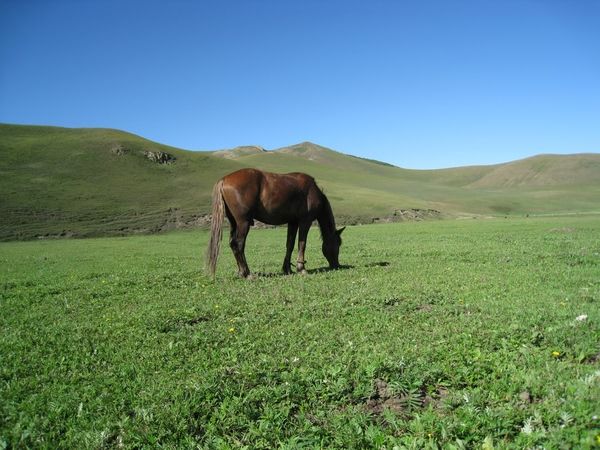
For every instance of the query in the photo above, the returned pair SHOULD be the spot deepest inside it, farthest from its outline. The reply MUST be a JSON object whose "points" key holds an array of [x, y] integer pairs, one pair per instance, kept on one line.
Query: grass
{"points": [[449, 334]]}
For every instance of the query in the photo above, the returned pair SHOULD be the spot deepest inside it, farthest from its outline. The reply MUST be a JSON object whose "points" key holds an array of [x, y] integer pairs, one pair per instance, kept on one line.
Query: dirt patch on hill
{"points": [[174, 218], [415, 214], [24, 224]]}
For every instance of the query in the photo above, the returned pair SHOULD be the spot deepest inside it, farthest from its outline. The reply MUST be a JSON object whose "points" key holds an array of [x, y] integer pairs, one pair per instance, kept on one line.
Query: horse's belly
{"points": [[283, 207], [279, 216], [276, 219]]}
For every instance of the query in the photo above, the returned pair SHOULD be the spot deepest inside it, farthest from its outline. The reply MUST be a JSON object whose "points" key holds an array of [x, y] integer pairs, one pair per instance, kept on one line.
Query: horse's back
{"points": [[271, 197], [249, 178], [242, 178], [241, 190]]}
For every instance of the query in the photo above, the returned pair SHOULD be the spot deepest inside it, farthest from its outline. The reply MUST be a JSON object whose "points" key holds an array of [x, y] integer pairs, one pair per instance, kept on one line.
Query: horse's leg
{"points": [[245, 228], [291, 239], [233, 238], [302, 235], [238, 245]]}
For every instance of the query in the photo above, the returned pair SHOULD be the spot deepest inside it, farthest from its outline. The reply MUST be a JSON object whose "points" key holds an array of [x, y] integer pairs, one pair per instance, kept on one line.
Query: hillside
{"points": [[237, 152], [544, 170], [85, 182], [543, 184]]}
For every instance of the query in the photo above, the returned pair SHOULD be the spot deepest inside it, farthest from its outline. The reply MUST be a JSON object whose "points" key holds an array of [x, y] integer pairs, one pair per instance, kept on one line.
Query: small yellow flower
{"points": [[232, 330], [598, 439], [555, 354]]}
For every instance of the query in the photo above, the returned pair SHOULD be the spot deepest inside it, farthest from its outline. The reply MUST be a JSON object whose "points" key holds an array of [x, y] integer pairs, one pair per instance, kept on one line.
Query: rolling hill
{"points": [[87, 182]]}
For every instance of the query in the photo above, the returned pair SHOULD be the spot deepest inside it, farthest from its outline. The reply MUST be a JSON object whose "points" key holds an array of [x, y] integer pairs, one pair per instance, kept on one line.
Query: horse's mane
{"points": [[325, 218]]}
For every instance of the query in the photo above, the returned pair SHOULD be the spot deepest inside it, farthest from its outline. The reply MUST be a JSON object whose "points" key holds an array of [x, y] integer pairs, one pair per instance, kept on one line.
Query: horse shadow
{"points": [[326, 269], [323, 269], [308, 272], [346, 267], [317, 270], [378, 264]]}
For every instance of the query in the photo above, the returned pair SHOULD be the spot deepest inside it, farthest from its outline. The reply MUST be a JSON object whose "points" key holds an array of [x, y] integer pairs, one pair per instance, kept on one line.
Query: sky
{"points": [[419, 84]]}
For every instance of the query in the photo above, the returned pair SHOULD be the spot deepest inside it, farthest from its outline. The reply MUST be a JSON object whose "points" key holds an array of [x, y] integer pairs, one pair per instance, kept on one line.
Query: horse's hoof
{"points": [[251, 276], [303, 272]]}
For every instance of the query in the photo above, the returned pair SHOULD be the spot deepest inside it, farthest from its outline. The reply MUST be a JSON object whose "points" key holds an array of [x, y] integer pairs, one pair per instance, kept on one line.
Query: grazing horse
{"points": [[275, 199]]}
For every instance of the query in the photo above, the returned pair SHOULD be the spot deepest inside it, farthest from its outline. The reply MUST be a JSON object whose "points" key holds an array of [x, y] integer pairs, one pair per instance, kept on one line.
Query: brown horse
{"points": [[275, 199]]}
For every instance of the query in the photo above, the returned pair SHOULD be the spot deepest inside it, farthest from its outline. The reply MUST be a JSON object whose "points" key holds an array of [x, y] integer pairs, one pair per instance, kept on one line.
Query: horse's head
{"points": [[331, 248]]}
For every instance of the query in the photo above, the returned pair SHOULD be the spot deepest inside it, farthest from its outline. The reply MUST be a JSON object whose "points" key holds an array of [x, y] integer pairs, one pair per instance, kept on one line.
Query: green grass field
{"points": [[447, 334]]}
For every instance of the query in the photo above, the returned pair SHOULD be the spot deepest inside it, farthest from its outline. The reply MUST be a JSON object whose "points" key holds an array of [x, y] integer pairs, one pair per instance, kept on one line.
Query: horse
{"points": [[275, 199]]}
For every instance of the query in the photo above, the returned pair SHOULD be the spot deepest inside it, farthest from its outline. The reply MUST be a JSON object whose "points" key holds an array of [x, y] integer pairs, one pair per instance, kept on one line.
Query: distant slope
{"points": [[237, 152], [85, 182], [365, 188], [543, 171]]}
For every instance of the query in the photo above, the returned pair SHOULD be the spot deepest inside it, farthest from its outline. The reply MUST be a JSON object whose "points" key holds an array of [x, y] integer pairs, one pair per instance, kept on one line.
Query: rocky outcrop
{"points": [[159, 157], [119, 150]]}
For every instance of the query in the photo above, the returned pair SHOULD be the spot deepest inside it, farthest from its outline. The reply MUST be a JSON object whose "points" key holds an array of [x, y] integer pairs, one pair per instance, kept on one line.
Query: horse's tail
{"points": [[216, 228]]}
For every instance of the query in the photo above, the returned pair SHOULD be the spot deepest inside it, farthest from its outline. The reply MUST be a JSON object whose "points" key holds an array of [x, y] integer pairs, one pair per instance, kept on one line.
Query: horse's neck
{"points": [[326, 220]]}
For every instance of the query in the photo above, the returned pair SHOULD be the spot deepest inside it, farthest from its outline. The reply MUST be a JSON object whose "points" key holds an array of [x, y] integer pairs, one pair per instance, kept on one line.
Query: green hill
{"points": [[363, 188], [84, 182], [544, 170]]}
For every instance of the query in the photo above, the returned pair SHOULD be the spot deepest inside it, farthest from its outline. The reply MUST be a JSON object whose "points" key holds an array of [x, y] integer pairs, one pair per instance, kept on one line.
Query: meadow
{"points": [[447, 334]]}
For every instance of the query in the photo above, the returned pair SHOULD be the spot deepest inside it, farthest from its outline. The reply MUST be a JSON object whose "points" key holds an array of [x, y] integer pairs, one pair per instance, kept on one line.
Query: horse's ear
{"points": [[339, 232]]}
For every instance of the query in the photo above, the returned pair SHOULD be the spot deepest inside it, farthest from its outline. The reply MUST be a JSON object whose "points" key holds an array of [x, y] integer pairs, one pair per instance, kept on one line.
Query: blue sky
{"points": [[420, 84]]}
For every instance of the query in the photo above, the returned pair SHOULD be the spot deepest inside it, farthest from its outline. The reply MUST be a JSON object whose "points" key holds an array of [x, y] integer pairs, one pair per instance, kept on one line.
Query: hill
{"points": [[364, 189], [237, 152], [544, 170], [85, 182]]}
